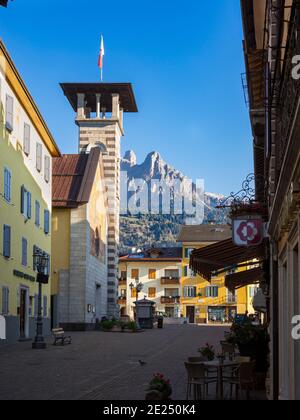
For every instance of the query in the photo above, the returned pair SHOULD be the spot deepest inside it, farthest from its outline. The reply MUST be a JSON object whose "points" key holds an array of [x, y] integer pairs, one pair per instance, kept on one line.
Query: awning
{"points": [[223, 255], [243, 278]]}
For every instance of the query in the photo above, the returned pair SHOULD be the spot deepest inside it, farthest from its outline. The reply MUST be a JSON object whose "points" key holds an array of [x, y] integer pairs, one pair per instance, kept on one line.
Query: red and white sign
{"points": [[248, 231]]}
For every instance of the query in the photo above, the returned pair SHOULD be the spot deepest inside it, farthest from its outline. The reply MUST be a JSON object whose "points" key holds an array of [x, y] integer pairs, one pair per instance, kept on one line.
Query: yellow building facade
{"points": [[206, 302], [26, 151], [79, 285]]}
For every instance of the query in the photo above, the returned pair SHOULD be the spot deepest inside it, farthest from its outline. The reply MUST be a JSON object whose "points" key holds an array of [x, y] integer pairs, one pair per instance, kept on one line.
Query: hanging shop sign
{"points": [[248, 231]]}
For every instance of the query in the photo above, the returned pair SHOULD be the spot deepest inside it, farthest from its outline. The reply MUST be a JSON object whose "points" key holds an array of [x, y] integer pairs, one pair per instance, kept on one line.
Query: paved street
{"points": [[101, 366]]}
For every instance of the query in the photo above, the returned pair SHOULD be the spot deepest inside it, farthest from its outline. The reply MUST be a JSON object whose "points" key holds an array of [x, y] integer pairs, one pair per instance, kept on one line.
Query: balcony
{"points": [[168, 300], [170, 280], [122, 281], [122, 300]]}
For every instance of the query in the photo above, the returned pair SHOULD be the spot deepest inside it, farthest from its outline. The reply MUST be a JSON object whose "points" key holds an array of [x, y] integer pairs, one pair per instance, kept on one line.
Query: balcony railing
{"points": [[168, 300], [289, 88], [170, 280]]}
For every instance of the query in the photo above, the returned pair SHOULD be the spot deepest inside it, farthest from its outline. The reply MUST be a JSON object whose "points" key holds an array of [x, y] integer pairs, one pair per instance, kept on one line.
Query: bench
{"points": [[60, 337]]}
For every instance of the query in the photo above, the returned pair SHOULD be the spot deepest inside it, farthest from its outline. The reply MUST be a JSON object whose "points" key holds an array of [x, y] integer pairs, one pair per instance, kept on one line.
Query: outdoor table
{"points": [[220, 366]]}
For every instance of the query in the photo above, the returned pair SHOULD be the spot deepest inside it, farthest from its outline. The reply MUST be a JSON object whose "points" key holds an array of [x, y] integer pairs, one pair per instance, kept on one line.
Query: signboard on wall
{"points": [[248, 231]]}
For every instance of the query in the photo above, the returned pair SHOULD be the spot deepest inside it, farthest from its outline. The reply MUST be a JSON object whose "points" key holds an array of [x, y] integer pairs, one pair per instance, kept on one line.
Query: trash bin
{"points": [[160, 322]]}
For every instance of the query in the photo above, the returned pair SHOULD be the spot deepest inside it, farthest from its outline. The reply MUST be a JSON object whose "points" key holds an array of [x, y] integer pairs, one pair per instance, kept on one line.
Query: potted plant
{"points": [[159, 388], [252, 341], [207, 352]]}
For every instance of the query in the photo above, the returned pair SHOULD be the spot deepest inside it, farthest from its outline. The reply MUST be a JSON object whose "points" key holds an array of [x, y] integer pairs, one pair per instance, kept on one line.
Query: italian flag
{"points": [[101, 54]]}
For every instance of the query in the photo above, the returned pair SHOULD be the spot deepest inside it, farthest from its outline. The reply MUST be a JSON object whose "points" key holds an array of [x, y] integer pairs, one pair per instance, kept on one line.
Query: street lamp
{"points": [[41, 263], [138, 286]]}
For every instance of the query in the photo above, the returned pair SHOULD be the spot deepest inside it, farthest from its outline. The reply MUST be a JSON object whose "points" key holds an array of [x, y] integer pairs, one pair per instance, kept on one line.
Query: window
{"points": [[24, 252], [190, 291], [188, 272], [212, 292], [25, 203], [6, 241], [135, 274], [45, 307], [187, 252], [133, 293], [5, 300], [39, 152], [47, 168], [7, 185], [152, 274], [172, 274], [26, 143], [9, 117], [124, 275], [36, 305], [37, 214], [252, 291], [46, 222], [152, 292]]}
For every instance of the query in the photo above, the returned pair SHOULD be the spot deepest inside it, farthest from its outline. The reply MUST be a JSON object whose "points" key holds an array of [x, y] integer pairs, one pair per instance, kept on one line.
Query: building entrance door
{"points": [[23, 313], [190, 314]]}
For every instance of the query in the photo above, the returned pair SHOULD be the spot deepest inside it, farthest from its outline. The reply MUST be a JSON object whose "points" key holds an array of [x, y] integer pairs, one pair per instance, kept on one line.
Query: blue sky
{"points": [[183, 58]]}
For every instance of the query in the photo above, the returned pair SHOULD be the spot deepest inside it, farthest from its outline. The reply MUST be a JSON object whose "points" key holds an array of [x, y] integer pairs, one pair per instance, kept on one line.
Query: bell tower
{"points": [[99, 109]]}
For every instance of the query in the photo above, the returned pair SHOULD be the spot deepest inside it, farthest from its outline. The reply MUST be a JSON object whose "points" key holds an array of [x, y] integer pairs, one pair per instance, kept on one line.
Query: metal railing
{"points": [[170, 280], [170, 300]]}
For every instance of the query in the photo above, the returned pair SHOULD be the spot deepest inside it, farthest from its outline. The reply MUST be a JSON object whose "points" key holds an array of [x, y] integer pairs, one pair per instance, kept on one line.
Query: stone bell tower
{"points": [[100, 108]]}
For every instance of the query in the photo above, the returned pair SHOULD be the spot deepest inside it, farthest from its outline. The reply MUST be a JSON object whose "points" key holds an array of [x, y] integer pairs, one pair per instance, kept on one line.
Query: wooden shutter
{"points": [[26, 145], [47, 168], [45, 307], [46, 222], [37, 213], [36, 305], [152, 274], [28, 205], [9, 112], [39, 157], [22, 199], [135, 274], [7, 185], [5, 301], [6, 241], [24, 252], [152, 292]]}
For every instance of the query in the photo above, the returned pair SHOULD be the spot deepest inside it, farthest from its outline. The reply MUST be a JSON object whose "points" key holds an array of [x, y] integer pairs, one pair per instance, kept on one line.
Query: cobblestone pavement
{"points": [[102, 366]]}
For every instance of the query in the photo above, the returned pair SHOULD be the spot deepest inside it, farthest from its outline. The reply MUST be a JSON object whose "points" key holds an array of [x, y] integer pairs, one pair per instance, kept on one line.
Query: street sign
{"points": [[248, 231]]}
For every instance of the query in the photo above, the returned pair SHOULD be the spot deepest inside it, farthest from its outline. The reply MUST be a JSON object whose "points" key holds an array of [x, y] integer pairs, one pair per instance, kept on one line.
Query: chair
{"points": [[228, 349], [243, 379], [198, 380]]}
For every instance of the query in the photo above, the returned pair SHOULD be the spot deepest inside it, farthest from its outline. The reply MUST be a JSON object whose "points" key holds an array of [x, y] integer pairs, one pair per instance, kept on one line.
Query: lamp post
{"points": [[41, 262], [138, 286]]}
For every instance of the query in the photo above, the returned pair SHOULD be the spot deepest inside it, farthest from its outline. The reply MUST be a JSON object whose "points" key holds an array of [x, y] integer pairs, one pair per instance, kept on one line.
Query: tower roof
{"points": [[127, 99]]}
